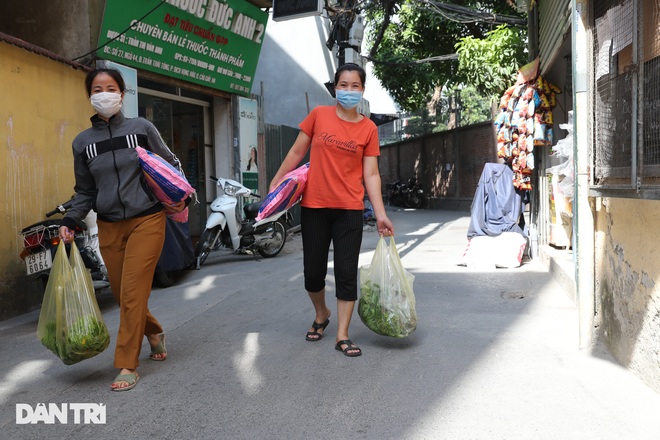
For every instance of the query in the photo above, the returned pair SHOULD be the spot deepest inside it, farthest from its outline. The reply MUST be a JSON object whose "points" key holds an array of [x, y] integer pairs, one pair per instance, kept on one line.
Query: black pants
{"points": [[343, 228]]}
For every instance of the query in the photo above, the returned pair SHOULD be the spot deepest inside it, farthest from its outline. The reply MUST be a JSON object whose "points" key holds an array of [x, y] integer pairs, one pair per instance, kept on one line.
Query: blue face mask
{"points": [[348, 99]]}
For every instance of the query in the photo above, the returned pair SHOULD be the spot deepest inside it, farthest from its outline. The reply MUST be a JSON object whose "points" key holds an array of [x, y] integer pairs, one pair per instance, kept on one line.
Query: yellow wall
{"points": [[43, 106], [628, 282]]}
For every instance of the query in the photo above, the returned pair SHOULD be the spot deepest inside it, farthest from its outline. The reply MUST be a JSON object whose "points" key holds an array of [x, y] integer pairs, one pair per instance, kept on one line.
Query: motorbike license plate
{"points": [[37, 262]]}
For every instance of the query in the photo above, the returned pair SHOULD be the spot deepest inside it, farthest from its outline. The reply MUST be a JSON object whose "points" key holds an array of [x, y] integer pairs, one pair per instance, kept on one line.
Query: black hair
{"points": [[251, 160], [351, 67], [113, 73]]}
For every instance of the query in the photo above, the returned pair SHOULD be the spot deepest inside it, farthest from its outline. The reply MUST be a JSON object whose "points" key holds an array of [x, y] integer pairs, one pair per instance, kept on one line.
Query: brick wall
{"points": [[447, 164]]}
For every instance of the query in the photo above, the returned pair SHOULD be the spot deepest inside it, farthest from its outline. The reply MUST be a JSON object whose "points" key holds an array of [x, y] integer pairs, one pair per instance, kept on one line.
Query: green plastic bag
{"points": [[70, 322], [387, 301]]}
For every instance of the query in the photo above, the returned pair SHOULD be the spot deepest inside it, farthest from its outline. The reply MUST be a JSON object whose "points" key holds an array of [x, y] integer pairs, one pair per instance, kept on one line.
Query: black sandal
{"points": [[349, 346], [316, 326]]}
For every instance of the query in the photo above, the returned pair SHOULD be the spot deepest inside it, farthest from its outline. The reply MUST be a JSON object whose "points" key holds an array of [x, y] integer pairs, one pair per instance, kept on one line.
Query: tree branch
{"points": [[389, 7]]}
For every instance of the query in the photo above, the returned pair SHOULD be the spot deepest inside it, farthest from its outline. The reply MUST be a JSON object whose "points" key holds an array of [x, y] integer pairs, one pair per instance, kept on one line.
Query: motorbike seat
{"points": [[252, 209]]}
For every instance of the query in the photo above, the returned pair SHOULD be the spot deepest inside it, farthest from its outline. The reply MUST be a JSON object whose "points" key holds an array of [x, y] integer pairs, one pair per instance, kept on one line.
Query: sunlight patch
{"points": [[203, 286], [20, 375], [245, 364], [426, 230]]}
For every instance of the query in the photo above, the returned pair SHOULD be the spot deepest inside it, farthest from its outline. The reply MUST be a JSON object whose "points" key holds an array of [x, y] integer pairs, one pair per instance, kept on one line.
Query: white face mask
{"points": [[106, 104]]}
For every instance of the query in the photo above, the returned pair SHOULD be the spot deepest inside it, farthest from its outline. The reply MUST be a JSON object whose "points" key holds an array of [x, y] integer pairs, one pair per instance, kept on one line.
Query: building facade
{"points": [[605, 56], [189, 68]]}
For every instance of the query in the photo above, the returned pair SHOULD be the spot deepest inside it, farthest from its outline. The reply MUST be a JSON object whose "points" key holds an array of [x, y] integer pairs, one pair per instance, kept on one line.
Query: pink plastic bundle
{"points": [[287, 193], [167, 183]]}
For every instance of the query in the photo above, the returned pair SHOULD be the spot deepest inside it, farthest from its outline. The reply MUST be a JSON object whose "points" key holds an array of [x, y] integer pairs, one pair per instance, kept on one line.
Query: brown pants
{"points": [[131, 249]]}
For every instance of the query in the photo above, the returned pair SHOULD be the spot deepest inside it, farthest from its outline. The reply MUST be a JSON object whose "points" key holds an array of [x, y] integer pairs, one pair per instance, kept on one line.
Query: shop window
{"points": [[153, 85], [195, 95]]}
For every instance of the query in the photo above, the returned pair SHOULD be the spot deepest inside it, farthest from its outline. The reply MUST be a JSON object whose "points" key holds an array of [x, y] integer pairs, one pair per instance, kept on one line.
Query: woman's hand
{"points": [[66, 234], [385, 227], [175, 207]]}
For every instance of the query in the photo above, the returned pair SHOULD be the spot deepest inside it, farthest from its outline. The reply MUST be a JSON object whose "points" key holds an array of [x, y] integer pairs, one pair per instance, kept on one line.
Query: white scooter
{"points": [[230, 227]]}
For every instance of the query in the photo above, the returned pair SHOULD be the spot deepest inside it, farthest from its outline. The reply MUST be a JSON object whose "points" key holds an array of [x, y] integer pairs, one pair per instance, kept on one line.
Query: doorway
{"points": [[182, 123]]}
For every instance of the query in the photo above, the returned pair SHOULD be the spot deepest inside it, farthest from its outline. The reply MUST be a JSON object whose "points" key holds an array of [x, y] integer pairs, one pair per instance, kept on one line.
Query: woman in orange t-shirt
{"points": [[343, 161]]}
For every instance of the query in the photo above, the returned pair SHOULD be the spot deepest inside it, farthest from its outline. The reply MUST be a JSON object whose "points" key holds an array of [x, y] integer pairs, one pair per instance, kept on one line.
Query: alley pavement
{"points": [[495, 356]]}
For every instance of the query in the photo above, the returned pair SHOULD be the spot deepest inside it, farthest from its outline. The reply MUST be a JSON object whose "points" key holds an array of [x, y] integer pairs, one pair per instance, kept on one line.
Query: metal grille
{"points": [[626, 100], [613, 94], [651, 83], [278, 140]]}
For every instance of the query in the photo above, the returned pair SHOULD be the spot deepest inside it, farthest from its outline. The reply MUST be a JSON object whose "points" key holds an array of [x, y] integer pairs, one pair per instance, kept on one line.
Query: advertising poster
{"points": [[212, 43], [248, 143]]}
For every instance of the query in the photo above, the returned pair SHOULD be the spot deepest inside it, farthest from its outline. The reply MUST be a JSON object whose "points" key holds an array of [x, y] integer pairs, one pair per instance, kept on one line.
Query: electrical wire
{"points": [[456, 13], [448, 57], [464, 15], [124, 31]]}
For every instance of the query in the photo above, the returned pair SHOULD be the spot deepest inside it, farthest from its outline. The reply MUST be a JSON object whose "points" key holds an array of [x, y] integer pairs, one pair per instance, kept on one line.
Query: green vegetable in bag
{"points": [[379, 319], [70, 322], [86, 338], [387, 301]]}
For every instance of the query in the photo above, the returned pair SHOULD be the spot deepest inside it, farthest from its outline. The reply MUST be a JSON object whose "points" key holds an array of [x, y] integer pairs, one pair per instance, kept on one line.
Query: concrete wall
{"points": [[448, 164], [627, 283], [43, 107], [293, 65], [67, 27]]}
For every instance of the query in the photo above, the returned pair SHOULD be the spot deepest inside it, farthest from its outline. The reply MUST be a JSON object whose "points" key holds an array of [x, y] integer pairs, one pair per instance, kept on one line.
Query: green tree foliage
{"points": [[465, 104], [491, 64], [402, 32], [473, 105]]}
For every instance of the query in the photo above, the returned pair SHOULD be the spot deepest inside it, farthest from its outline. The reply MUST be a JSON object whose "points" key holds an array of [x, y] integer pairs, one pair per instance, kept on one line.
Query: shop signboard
{"points": [[288, 9], [209, 42]]}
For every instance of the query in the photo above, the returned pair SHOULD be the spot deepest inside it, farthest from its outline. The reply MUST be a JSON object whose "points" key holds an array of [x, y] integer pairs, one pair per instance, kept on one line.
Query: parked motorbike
{"points": [[414, 196], [395, 193], [230, 227], [40, 242], [406, 195]]}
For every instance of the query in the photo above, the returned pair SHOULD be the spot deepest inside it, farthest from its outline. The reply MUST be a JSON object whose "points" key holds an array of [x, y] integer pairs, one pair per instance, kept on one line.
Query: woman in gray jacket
{"points": [[131, 221]]}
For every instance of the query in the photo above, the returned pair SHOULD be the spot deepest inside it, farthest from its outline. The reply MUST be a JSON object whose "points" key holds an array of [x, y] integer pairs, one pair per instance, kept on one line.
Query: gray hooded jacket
{"points": [[108, 174]]}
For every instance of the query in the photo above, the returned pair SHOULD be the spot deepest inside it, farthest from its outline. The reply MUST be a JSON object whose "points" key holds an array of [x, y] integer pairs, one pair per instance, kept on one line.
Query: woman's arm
{"points": [[85, 191], [373, 185], [293, 158]]}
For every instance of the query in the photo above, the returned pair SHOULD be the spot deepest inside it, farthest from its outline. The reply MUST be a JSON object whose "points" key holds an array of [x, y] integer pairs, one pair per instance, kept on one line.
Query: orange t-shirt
{"points": [[334, 179]]}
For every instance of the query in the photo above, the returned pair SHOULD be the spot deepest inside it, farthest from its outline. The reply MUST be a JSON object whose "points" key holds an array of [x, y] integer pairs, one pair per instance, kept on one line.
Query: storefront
{"points": [[194, 62]]}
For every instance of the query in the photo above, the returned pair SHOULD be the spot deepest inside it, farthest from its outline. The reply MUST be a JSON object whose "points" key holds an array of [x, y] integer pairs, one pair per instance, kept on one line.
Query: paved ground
{"points": [[494, 357]]}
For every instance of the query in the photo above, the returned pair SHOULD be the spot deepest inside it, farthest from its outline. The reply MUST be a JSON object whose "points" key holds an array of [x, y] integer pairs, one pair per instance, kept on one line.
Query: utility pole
{"points": [[342, 18]]}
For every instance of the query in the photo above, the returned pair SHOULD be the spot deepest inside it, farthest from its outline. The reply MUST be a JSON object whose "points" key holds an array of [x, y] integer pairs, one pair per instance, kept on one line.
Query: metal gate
{"points": [[278, 141]]}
